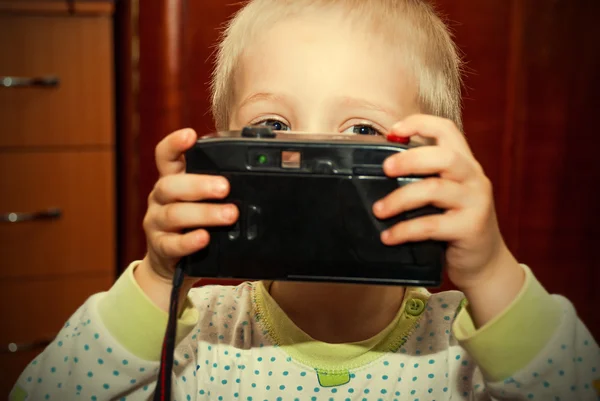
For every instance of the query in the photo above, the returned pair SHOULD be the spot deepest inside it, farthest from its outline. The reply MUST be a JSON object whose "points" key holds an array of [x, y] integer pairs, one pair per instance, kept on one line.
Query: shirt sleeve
{"points": [[109, 349], [537, 348]]}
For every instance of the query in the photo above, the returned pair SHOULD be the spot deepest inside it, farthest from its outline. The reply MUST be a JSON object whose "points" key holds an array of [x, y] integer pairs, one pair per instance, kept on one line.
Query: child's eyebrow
{"points": [[262, 96], [358, 103]]}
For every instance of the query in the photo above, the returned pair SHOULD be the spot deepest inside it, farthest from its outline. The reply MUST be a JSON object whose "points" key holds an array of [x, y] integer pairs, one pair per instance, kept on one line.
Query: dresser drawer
{"points": [[56, 80], [82, 238], [32, 313]]}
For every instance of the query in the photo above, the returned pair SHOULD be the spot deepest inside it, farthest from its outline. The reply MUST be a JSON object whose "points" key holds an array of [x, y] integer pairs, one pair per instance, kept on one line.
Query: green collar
{"points": [[335, 359]]}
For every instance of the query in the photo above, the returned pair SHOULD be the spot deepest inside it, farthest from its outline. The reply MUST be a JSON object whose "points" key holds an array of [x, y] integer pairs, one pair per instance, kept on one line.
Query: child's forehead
{"points": [[305, 49]]}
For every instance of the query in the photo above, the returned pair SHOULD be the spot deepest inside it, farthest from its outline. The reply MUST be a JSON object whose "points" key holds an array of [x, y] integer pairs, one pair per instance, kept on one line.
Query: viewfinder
{"points": [[290, 159]]}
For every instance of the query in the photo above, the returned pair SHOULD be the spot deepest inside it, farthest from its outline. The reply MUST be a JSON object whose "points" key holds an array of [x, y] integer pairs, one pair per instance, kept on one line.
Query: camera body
{"points": [[305, 203]]}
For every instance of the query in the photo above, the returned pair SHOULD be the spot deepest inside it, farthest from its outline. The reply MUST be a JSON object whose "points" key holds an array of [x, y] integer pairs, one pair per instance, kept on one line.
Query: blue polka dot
{"points": [[369, 376], [109, 350], [431, 361], [106, 386], [282, 387], [52, 369], [299, 388], [60, 343], [430, 375], [86, 347], [317, 389], [96, 336], [90, 374], [384, 377], [115, 373], [100, 361]]}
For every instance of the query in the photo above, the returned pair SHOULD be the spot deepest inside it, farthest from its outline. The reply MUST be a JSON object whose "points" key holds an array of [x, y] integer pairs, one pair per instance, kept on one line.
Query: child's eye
{"points": [[273, 124], [363, 129]]}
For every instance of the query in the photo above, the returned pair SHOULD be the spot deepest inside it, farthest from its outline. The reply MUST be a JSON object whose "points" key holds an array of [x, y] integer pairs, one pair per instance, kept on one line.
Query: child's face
{"points": [[319, 73]]}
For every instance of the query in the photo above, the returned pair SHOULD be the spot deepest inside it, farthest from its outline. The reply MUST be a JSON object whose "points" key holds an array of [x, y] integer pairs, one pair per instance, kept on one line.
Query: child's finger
{"points": [[177, 216], [172, 245], [189, 187], [170, 151], [444, 131], [438, 192], [450, 226], [431, 160]]}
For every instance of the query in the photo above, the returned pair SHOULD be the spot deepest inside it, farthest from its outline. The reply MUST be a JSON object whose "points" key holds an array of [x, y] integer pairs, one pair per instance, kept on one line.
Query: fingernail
{"points": [[221, 186], [398, 126], [385, 236], [378, 207], [388, 164], [228, 213]]}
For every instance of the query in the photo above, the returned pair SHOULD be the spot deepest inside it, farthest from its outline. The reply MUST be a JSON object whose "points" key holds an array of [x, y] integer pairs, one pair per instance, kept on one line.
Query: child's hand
{"points": [[171, 209], [476, 252]]}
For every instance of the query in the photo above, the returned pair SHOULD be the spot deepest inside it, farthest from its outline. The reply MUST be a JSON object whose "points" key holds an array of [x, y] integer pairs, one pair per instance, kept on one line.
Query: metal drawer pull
{"points": [[50, 214], [14, 347], [24, 82]]}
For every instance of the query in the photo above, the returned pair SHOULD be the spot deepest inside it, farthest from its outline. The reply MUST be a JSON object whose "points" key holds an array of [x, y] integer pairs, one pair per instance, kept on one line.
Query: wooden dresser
{"points": [[57, 169]]}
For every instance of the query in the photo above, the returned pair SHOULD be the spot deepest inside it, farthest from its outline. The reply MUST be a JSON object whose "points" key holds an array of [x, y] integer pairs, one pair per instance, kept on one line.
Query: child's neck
{"points": [[338, 313]]}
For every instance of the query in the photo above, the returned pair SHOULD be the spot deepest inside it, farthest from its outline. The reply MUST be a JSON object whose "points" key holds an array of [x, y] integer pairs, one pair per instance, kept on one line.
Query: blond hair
{"points": [[411, 25]]}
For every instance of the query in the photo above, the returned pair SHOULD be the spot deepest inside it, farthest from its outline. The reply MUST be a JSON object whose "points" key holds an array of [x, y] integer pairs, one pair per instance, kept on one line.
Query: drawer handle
{"points": [[50, 214], [14, 347], [25, 82]]}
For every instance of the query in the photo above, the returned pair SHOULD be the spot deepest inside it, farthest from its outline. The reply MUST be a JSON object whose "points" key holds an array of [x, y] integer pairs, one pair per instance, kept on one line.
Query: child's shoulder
{"points": [[222, 295], [442, 300], [438, 307]]}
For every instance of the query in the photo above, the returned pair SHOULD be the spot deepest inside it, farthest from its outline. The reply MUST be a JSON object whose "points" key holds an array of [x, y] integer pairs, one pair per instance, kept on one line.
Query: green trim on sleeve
{"points": [[18, 394], [509, 342], [136, 322]]}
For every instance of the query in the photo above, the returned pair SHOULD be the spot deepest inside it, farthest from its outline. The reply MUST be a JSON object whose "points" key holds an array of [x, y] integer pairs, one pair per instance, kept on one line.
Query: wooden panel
{"points": [[80, 7], [559, 228], [76, 50], [81, 184], [35, 310]]}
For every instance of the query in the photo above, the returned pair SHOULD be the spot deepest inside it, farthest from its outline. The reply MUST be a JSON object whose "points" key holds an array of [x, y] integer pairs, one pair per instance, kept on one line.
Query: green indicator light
{"points": [[262, 159]]}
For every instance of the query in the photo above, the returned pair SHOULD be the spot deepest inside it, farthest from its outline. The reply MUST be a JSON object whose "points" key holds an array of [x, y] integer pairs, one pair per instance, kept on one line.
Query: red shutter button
{"points": [[398, 139]]}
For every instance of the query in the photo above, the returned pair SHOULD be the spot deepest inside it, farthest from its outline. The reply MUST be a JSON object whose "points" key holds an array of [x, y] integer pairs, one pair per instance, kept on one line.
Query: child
{"points": [[369, 67]]}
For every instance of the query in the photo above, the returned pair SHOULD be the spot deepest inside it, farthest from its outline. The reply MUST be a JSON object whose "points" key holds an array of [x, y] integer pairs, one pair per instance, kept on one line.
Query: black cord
{"points": [[163, 384]]}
